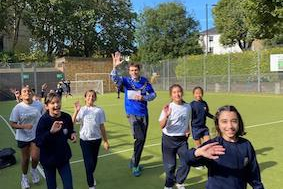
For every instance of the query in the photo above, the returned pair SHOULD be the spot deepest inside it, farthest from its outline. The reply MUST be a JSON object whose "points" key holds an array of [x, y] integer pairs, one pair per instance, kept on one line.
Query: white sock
{"points": [[24, 176], [33, 170]]}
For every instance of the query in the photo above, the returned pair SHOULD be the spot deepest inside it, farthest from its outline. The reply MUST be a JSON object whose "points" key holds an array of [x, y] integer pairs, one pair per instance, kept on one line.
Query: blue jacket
{"points": [[199, 112], [54, 148], [134, 107], [233, 170]]}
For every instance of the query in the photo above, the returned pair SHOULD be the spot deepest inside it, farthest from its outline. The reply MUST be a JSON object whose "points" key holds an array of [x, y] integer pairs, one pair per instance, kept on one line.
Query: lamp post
{"points": [[206, 22], [206, 48]]}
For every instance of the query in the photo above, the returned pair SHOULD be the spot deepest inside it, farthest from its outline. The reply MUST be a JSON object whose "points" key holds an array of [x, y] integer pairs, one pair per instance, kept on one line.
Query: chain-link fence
{"points": [[247, 72], [239, 72], [15, 75]]}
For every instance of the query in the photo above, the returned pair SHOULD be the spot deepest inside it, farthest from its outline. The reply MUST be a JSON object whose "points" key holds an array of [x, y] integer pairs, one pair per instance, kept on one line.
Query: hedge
{"points": [[240, 63]]}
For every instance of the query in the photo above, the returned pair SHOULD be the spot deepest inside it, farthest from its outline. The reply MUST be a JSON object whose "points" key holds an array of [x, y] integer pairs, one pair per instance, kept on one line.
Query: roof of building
{"points": [[211, 31]]}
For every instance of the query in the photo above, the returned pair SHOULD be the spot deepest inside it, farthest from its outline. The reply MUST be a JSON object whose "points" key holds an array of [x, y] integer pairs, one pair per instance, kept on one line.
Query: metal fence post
{"points": [[164, 74], [168, 75], [258, 72], [22, 74], [184, 75], [35, 77], [229, 72], [204, 72]]}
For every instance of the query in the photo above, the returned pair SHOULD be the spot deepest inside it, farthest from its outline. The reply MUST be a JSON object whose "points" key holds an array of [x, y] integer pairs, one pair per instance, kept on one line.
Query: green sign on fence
{"points": [[25, 76], [59, 76]]}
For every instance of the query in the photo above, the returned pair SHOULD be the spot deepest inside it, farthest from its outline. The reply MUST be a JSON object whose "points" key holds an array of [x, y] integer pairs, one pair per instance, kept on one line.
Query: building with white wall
{"points": [[210, 41]]}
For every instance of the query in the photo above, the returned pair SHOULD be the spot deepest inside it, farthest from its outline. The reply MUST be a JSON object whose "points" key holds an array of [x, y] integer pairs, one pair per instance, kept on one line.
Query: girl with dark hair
{"points": [[24, 118], [92, 129], [175, 122], [200, 111], [235, 168], [53, 131]]}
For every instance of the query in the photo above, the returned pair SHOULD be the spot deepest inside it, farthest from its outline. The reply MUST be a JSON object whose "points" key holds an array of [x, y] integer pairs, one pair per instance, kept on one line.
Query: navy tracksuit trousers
{"points": [[172, 146]]}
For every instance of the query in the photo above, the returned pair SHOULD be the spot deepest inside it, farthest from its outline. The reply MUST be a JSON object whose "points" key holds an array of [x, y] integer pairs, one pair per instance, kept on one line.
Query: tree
{"points": [[4, 14], [264, 17], [82, 27], [230, 22], [166, 32], [11, 12], [41, 20]]}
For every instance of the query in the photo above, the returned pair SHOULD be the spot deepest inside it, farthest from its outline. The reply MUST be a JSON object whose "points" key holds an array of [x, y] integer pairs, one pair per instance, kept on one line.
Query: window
{"points": [[210, 50], [210, 38], [1, 43]]}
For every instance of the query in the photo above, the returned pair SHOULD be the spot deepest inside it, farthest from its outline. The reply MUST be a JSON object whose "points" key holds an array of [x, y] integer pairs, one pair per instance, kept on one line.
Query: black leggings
{"points": [[90, 151]]}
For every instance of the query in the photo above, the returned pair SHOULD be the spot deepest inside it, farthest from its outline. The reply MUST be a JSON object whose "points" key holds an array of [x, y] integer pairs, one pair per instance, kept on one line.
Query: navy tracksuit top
{"points": [[233, 170], [54, 148], [199, 112]]}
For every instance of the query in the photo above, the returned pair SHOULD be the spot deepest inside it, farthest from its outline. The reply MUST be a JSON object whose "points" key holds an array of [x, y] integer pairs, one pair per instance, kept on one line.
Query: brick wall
{"points": [[94, 69]]}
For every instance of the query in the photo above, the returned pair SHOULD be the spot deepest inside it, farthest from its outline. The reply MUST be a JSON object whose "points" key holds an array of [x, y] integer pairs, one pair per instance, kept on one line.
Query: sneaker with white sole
{"points": [[24, 182], [94, 182], [180, 186], [165, 187], [136, 171], [35, 176]]}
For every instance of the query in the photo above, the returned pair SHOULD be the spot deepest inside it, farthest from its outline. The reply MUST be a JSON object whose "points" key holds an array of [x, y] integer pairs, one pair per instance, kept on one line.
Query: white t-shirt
{"points": [[90, 119], [179, 119], [27, 114]]}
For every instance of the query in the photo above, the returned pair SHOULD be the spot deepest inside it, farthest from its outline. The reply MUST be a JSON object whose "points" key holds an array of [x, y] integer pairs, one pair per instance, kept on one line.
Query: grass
{"points": [[262, 115]]}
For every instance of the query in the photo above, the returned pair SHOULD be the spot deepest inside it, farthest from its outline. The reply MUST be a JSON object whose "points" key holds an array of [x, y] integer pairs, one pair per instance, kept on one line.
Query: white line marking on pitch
{"points": [[11, 129], [156, 144], [153, 166], [118, 152], [262, 124], [131, 149]]}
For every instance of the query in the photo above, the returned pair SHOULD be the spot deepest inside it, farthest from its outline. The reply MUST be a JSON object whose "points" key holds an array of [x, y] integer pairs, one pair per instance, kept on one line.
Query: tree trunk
{"points": [[16, 30]]}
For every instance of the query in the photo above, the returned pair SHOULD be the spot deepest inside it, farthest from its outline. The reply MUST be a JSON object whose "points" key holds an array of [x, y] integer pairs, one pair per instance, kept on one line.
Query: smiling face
{"points": [[198, 94], [90, 98], [228, 125], [134, 72], [26, 94], [54, 106], [176, 95]]}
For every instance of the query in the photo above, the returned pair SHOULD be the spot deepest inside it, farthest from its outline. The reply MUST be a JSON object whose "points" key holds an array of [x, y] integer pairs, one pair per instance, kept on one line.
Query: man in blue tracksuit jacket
{"points": [[137, 92]]}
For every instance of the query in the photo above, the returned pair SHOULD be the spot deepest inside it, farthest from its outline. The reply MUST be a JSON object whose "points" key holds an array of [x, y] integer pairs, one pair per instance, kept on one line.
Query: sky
{"points": [[196, 8]]}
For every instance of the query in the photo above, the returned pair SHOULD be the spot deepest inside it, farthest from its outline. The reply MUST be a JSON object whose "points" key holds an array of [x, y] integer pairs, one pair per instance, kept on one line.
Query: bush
{"points": [[37, 56], [240, 63]]}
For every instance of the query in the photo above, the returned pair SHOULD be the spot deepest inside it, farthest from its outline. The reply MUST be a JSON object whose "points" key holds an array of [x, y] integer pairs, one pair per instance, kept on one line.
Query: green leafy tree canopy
{"points": [[229, 20], [166, 31]]}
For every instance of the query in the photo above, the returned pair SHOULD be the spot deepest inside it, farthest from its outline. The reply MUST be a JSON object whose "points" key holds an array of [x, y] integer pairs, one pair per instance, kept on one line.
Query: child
{"points": [[119, 89], [16, 93], [59, 90], [24, 118], [175, 122], [43, 89], [53, 131], [92, 128], [199, 112], [238, 166]]}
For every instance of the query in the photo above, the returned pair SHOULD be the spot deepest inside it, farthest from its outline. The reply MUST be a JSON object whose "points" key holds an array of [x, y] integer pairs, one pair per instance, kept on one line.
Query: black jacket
{"points": [[54, 148]]}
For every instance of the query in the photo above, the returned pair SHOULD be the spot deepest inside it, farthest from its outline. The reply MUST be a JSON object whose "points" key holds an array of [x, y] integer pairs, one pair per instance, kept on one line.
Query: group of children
{"points": [[229, 158], [43, 131]]}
